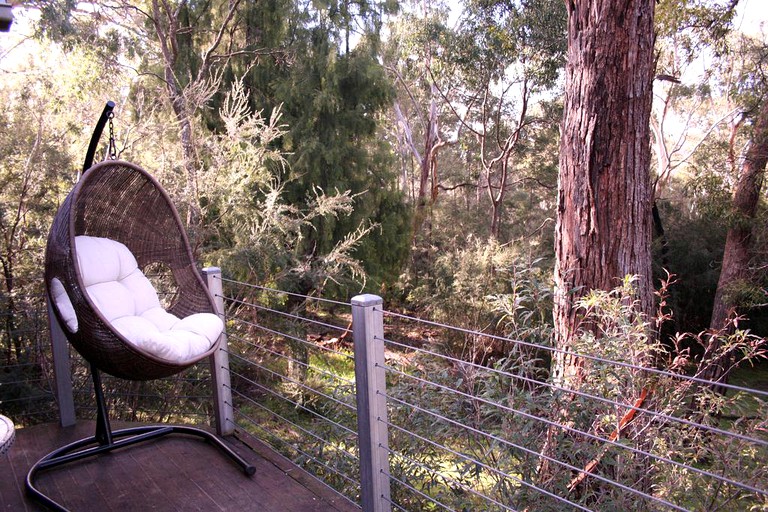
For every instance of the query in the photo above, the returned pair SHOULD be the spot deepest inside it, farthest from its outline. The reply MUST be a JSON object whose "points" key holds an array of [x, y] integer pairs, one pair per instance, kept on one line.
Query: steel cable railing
{"points": [[291, 384], [404, 409], [447, 478], [486, 372], [255, 424], [485, 466], [503, 441], [296, 406], [589, 435], [406, 485], [298, 427], [292, 360], [590, 357], [462, 432], [292, 316], [294, 338], [283, 292], [297, 383], [582, 394]]}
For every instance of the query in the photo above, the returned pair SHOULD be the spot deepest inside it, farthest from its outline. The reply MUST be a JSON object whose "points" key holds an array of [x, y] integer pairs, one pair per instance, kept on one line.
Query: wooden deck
{"points": [[177, 472]]}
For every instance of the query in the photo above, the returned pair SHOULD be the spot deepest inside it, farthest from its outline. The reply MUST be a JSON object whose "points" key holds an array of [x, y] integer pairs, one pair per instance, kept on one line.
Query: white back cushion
{"points": [[112, 278], [129, 302]]}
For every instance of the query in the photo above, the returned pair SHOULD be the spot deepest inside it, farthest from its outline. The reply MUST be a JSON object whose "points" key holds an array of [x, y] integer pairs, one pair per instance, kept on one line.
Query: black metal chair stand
{"points": [[105, 440]]}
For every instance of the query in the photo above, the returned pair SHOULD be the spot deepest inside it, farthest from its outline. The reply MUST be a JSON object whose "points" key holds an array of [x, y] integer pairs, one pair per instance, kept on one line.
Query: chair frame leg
{"points": [[105, 440]]}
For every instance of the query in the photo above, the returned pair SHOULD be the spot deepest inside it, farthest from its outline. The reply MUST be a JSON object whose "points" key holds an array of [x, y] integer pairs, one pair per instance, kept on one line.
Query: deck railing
{"points": [[396, 412], [400, 422]]}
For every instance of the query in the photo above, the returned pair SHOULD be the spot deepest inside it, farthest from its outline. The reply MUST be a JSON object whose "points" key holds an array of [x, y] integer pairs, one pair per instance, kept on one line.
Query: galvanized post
{"points": [[62, 371], [219, 361], [370, 382]]}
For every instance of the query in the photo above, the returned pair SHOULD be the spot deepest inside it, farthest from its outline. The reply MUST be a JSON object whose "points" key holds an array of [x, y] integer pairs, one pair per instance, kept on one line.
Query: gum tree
{"points": [[603, 229]]}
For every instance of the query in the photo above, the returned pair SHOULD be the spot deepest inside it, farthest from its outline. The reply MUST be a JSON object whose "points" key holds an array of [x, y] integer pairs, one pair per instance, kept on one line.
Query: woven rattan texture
{"points": [[120, 201]]}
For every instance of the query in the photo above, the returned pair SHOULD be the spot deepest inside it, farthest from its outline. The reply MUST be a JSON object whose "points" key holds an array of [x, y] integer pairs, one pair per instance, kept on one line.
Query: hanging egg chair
{"points": [[115, 228], [115, 222]]}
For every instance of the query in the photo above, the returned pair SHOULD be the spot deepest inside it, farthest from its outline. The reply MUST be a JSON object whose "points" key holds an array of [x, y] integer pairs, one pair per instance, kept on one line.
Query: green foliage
{"points": [[749, 89], [697, 204], [462, 89], [696, 25], [496, 34], [330, 96], [254, 232], [332, 112], [695, 241], [616, 332], [483, 286]]}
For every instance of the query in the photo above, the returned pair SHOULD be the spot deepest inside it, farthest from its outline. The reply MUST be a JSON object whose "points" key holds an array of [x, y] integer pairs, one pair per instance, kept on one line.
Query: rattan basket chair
{"points": [[118, 206], [119, 201]]}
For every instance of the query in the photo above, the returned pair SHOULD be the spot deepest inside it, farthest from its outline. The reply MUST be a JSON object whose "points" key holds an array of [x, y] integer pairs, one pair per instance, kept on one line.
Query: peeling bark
{"points": [[604, 222]]}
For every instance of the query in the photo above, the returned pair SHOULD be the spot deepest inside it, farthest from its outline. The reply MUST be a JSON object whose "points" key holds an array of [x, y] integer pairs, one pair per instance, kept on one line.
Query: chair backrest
{"points": [[112, 278]]}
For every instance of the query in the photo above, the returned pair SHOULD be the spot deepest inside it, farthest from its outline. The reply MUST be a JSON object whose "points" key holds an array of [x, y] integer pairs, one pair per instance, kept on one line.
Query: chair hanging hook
{"points": [[112, 149]]}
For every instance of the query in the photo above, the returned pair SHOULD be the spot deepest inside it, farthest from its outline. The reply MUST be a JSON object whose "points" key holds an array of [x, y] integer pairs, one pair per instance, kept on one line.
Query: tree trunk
{"points": [[167, 27], [604, 223], [428, 165], [737, 253], [189, 156], [167, 19], [12, 350], [497, 194]]}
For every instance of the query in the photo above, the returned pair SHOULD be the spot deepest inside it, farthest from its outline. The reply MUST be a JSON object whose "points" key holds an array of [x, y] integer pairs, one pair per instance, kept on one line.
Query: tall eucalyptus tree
{"points": [[603, 228], [738, 287]]}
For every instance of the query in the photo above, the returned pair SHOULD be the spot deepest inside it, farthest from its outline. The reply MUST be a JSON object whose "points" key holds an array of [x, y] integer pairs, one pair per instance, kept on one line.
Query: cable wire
{"points": [[448, 478], [294, 381], [655, 414], [292, 360], [292, 316], [576, 354], [296, 425], [583, 433], [281, 292]]}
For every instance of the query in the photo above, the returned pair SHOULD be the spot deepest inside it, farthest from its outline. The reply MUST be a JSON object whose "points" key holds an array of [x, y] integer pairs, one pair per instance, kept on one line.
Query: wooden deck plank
{"points": [[176, 472]]}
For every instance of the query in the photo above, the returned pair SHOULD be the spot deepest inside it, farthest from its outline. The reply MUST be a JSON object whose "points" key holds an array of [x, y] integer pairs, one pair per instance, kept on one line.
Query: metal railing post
{"points": [[62, 371], [219, 361], [370, 382]]}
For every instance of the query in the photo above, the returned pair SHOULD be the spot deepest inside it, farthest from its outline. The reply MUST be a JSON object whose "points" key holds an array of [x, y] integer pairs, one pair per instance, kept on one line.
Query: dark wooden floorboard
{"points": [[174, 473]]}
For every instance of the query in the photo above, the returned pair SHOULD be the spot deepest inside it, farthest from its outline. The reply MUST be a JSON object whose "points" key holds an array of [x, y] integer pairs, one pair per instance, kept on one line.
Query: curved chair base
{"points": [[105, 441], [126, 437]]}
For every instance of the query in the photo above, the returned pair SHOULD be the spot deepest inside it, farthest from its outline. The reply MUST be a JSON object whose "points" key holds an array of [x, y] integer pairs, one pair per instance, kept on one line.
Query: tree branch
{"points": [[219, 36]]}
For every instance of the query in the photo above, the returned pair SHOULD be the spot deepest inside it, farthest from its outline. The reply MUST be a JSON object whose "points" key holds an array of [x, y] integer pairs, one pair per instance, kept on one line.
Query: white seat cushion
{"points": [[126, 298]]}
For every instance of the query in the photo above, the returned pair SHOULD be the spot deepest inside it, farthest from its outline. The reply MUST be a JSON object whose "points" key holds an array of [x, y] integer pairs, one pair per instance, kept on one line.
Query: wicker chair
{"points": [[120, 201], [121, 204]]}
